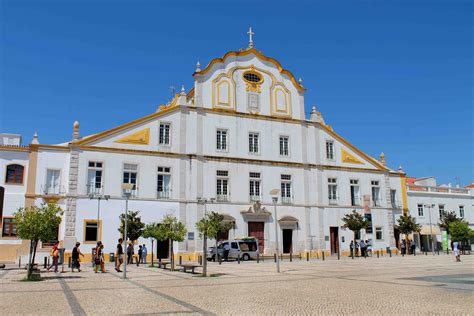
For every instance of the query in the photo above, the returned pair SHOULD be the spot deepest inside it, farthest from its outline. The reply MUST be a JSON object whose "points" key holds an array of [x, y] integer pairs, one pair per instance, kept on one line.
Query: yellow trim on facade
{"points": [[403, 182], [258, 55], [141, 137], [31, 180], [14, 148], [349, 158]]}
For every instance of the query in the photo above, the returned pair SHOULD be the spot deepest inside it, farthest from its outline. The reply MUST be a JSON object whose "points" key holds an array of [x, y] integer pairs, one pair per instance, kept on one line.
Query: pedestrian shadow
{"points": [[53, 277]]}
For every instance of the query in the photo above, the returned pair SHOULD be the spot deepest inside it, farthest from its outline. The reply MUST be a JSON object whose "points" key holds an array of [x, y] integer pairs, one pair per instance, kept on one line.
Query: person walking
{"points": [[226, 251], [102, 258], [351, 246], [457, 254], [144, 254], [140, 254], [98, 257], [404, 247], [357, 245], [76, 260], [368, 249], [119, 255], [129, 253], [363, 248], [413, 246], [55, 255]]}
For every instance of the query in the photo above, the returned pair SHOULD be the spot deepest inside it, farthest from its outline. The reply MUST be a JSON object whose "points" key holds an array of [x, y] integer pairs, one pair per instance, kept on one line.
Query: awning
{"points": [[428, 230]]}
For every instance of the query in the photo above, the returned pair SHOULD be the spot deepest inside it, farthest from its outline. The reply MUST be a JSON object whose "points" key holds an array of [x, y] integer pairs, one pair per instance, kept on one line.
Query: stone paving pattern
{"points": [[398, 285]]}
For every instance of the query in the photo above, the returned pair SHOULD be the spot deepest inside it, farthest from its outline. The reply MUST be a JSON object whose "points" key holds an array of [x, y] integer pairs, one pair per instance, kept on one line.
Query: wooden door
{"points": [[162, 249], [256, 229], [334, 233], [287, 240]]}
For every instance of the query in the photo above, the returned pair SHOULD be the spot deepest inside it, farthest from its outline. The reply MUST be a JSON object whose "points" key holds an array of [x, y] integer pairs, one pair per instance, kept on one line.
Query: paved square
{"points": [[398, 285]]}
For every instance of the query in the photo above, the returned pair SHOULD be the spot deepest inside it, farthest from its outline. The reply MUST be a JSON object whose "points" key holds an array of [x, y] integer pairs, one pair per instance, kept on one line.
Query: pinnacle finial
{"points": [[183, 92], [250, 33], [300, 81], [75, 129], [198, 66], [400, 169], [35, 139], [382, 158]]}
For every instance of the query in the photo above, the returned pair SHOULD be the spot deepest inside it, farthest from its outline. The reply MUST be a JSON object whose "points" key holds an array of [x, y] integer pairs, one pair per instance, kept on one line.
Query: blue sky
{"points": [[391, 76]]}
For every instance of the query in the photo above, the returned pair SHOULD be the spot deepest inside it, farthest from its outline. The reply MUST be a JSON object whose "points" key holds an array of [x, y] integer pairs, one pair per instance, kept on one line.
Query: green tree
{"points": [[134, 226], [35, 224], [407, 225], [447, 219], [460, 231], [210, 226], [151, 231], [355, 222], [173, 230]]}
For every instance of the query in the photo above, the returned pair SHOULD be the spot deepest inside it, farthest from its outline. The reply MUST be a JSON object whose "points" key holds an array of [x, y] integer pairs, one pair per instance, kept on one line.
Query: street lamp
{"points": [[127, 192], [274, 193], [99, 197], [430, 206]]}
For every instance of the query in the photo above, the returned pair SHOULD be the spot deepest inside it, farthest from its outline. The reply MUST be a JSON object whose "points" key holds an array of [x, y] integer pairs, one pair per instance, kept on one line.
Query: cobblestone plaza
{"points": [[398, 285]]}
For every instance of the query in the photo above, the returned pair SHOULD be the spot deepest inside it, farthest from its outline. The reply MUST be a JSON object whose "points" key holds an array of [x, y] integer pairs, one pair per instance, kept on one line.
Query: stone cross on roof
{"points": [[250, 33]]}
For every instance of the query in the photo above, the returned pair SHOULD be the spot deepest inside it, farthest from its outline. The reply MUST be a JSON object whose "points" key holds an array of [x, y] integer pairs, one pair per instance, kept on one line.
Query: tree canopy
{"points": [[38, 223], [134, 225], [407, 225], [460, 230], [355, 221], [447, 219], [171, 228], [212, 225]]}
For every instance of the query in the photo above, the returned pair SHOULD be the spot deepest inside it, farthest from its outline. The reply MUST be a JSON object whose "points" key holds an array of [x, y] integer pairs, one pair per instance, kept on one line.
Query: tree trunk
{"points": [[28, 274], [216, 257], [171, 255], [152, 252], [35, 245], [204, 255], [354, 248]]}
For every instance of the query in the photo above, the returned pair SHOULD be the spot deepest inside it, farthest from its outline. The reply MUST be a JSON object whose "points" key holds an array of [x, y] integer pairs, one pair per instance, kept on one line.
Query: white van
{"points": [[247, 249]]}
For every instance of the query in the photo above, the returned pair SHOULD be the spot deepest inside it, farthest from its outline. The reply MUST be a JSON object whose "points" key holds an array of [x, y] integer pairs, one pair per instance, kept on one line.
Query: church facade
{"points": [[228, 145]]}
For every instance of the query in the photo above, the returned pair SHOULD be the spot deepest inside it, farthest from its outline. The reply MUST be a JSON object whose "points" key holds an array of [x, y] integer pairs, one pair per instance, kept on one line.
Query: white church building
{"points": [[222, 146]]}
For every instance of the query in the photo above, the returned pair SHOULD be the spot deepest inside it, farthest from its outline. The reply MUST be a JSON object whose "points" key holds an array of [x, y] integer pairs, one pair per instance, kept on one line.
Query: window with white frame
{"points": [[130, 174], [285, 188], [284, 146], [222, 181], [330, 150], [254, 186], [393, 198], [420, 210], [164, 137], [441, 210], [253, 143], [461, 211], [376, 193], [221, 139], [332, 190], [52, 181], [163, 183], [94, 177], [355, 192], [378, 233]]}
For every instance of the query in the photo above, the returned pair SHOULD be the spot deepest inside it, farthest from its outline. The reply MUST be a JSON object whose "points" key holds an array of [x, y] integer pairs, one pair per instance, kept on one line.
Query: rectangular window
{"points": [[461, 211], [441, 210], [393, 198], [368, 218], [376, 193], [420, 210], [130, 173], [332, 190], [52, 181], [9, 227], [254, 186], [355, 192], [221, 141], [330, 150], [90, 233], [222, 189], [284, 146], [163, 183], [164, 137], [286, 189], [94, 177], [253, 143], [378, 233]]}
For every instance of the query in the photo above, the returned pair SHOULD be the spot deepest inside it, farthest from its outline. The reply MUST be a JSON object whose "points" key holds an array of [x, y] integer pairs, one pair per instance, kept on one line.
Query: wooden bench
{"points": [[189, 266], [163, 264]]}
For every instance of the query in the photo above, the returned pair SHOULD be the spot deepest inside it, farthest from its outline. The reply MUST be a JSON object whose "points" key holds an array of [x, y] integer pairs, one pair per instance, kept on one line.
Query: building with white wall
{"points": [[428, 202], [239, 133]]}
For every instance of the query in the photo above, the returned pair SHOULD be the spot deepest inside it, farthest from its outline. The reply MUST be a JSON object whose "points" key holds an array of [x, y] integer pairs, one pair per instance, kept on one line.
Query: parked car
{"points": [[247, 249]]}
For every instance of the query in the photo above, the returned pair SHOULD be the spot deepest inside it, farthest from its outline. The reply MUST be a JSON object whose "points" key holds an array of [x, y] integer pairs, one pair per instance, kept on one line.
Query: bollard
{"points": [[291, 257], [323, 255], [447, 250], [19, 262], [69, 262], [307, 256], [317, 255], [281, 256], [220, 258], [238, 258], [338, 255], [426, 253], [275, 257], [377, 254], [258, 257], [365, 254], [438, 251], [45, 262], [180, 260], [381, 252], [390, 252]]}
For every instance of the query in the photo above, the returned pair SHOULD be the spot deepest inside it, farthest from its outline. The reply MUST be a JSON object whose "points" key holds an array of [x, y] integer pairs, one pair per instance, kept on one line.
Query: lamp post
{"points": [[127, 192], [274, 193], [430, 206], [99, 197]]}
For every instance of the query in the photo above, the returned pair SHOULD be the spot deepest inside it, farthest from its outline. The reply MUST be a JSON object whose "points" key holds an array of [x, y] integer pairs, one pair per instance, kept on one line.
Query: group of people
{"points": [[408, 248], [365, 248], [142, 253]]}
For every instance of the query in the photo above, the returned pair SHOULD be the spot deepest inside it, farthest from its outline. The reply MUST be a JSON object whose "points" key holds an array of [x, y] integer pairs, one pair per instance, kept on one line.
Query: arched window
{"points": [[14, 174]]}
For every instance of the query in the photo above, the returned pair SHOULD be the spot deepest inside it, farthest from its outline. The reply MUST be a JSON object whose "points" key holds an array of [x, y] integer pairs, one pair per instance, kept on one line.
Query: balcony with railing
{"points": [[94, 189], [222, 197], [163, 195], [451, 190], [133, 192], [333, 201], [377, 203], [255, 198], [55, 190], [286, 200]]}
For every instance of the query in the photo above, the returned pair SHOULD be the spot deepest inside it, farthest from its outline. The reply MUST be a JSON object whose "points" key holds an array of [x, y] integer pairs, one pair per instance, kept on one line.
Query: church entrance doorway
{"points": [[287, 240], [162, 249], [256, 229], [334, 234]]}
